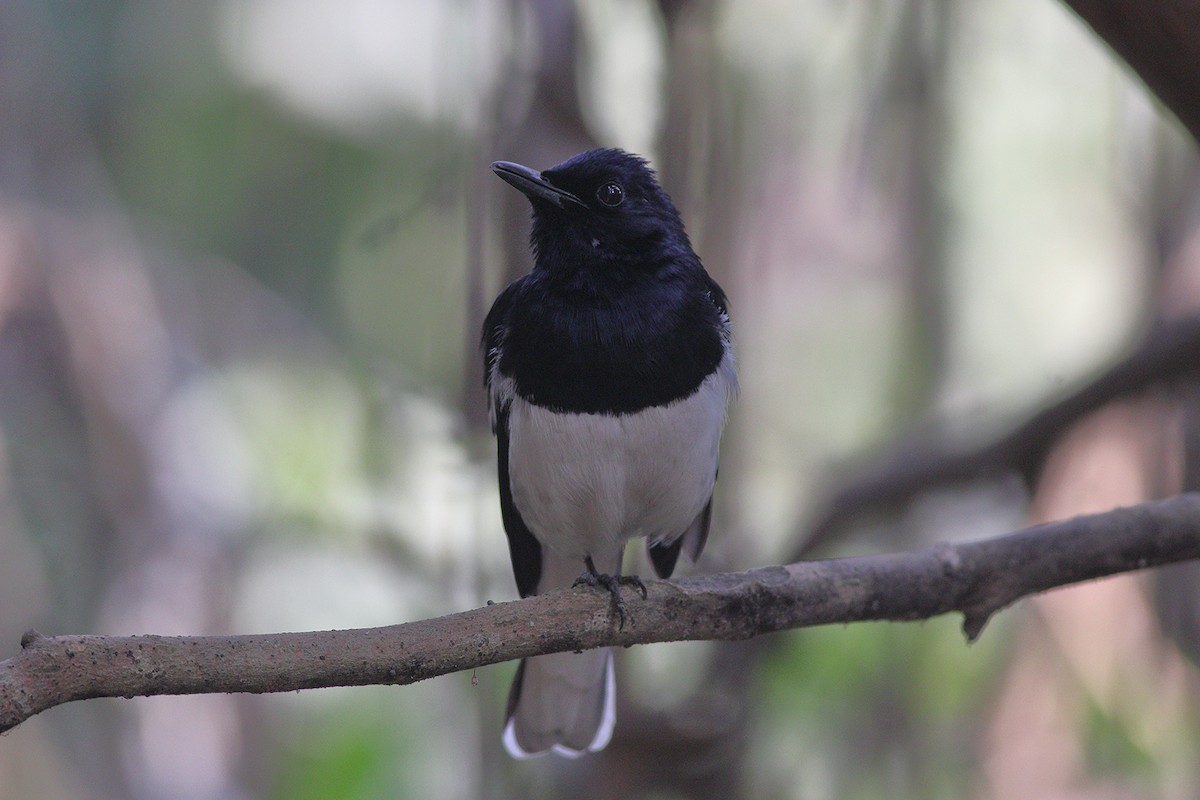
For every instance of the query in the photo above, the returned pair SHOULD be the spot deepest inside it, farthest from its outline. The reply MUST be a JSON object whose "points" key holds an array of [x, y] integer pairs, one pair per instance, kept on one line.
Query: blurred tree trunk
{"points": [[541, 108], [913, 89], [535, 119]]}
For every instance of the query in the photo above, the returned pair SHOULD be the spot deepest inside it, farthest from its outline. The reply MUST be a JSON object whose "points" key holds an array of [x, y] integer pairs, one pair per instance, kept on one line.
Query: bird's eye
{"points": [[611, 194]]}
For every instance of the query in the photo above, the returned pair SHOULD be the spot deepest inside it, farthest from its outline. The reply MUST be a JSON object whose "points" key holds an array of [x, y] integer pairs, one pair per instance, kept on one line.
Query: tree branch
{"points": [[1158, 40], [1169, 351], [974, 578]]}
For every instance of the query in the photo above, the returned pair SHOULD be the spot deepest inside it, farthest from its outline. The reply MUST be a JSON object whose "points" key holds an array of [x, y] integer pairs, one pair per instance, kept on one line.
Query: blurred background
{"points": [[245, 251]]}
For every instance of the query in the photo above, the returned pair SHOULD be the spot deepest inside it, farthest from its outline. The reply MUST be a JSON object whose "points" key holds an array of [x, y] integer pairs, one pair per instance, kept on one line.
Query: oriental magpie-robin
{"points": [[608, 369]]}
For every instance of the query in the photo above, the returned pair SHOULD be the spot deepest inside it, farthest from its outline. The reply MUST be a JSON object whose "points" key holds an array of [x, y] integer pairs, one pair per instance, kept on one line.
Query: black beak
{"points": [[531, 183]]}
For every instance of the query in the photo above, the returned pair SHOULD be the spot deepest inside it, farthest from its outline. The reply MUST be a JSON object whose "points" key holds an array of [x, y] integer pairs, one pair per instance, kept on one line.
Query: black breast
{"points": [[611, 354]]}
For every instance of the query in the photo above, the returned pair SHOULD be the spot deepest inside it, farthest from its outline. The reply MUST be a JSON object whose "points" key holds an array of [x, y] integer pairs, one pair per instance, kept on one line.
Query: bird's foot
{"points": [[611, 584]]}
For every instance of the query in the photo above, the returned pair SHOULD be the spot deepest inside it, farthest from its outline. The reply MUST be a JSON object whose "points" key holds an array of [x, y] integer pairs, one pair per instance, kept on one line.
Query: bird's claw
{"points": [[611, 584]]}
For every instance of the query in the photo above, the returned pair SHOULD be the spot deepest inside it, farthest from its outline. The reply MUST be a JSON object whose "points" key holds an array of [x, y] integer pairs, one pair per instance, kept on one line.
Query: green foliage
{"points": [[350, 757], [350, 767], [879, 709], [929, 664], [1110, 748]]}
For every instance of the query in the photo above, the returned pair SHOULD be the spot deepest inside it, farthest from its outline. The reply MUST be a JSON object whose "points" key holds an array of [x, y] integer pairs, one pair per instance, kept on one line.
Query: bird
{"points": [[609, 368]]}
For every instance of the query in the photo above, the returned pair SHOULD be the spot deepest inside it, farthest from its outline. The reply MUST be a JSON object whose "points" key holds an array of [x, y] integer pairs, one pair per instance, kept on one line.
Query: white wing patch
{"points": [[501, 389]]}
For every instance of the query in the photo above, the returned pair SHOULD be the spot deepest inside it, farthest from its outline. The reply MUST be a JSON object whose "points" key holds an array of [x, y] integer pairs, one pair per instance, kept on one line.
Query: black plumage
{"points": [[608, 368]]}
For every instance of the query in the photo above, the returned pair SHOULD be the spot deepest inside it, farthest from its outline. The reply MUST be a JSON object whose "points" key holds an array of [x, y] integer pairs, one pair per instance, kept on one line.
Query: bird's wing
{"points": [[717, 295], [523, 546], [665, 554], [495, 329]]}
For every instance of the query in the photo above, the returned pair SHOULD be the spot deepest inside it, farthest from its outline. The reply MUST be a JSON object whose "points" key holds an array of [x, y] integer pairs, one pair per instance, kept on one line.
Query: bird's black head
{"points": [[600, 209]]}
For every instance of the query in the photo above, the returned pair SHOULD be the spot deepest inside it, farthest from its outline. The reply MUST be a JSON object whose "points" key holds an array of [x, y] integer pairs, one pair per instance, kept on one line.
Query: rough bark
{"points": [[974, 578]]}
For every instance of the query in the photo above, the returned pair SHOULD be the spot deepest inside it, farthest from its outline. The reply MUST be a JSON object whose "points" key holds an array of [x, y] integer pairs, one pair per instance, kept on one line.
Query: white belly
{"points": [[585, 483]]}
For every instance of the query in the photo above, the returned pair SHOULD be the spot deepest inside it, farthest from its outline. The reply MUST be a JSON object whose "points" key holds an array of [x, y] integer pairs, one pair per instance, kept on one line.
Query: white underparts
{"points": [[586, 483]]}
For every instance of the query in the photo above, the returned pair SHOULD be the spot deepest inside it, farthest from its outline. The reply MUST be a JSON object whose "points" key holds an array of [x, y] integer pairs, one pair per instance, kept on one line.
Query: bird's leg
{"points": [[611, 584]]}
